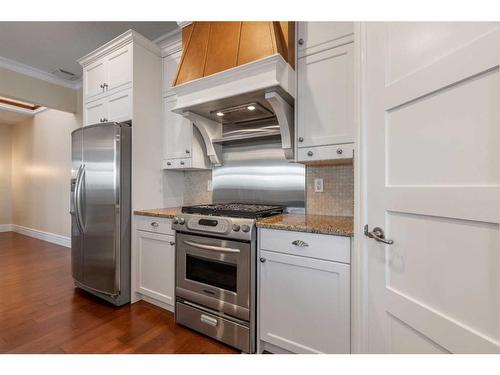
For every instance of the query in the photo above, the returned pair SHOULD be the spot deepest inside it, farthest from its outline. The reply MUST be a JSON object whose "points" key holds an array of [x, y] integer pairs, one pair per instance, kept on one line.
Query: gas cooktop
{"points": [[241, 210]]}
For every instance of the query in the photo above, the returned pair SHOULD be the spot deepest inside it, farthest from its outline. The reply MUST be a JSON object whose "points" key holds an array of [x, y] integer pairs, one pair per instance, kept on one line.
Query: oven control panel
{"points": [[221, 226]]}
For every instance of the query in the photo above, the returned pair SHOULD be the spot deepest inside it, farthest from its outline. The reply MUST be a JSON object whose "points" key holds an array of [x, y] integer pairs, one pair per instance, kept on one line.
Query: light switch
{"points": [[318, 185]]}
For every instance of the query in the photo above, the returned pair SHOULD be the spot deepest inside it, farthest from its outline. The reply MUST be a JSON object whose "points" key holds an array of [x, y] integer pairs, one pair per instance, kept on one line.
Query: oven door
{"points": [[214, 273]]}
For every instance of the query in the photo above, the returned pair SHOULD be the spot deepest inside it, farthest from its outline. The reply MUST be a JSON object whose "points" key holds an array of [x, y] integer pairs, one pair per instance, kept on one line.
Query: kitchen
{"points": [[281, 187]]}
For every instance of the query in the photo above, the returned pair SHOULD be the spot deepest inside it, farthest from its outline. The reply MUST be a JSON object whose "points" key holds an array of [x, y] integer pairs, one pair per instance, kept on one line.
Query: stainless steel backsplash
{"points": [[259, 173]]}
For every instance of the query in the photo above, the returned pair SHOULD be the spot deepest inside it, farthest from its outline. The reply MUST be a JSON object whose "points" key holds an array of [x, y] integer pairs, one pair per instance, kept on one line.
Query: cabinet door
{"points": [[120, 106], [170, 64], [156, 259], [119, 68], [94, 112], [315, 36], [94, 77], [177, 133], [326, 97], [304, 303]]}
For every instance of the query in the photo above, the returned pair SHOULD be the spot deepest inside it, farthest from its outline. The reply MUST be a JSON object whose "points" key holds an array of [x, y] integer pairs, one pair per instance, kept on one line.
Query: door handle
{"points": [[76, 199], [208, 320], [212, 248], [378, 235]]}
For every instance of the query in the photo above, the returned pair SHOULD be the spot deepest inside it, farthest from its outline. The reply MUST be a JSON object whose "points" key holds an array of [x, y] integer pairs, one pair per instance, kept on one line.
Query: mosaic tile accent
{"points": [[337, 197], [195, 187]]}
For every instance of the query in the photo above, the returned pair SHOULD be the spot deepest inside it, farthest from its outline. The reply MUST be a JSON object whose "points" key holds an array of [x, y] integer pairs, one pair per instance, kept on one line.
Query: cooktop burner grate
{"points": [[242, 210]]}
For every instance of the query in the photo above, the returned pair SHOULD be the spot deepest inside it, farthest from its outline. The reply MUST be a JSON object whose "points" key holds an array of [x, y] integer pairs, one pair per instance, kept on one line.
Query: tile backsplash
{"points": [[337, 197], [195, 187]]}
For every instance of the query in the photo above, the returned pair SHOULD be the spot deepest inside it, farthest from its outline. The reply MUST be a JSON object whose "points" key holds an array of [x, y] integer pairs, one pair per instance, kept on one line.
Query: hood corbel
{"points": [[209, 130], [284, 115]]}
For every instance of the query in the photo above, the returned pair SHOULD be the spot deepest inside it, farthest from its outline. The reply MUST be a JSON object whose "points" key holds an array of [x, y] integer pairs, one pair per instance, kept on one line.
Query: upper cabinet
{"points": [[108, 78], [183, 146], [325, 91]]}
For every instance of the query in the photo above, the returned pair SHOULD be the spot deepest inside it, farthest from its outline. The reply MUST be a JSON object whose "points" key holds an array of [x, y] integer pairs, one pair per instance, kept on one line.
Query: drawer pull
{"points": [[154, 224], [208, 320], [300, 243], [310, 153]]}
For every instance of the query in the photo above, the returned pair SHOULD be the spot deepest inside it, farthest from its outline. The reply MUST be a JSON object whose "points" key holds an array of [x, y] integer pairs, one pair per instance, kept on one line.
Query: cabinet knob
{"points": [[101, 85], [154, 224], [301, 139], [301, 41], [262, 259], [188, 152], [310, 153], [182, 163], [172, 243], [339, 151], [105, 85], [169, 163]]}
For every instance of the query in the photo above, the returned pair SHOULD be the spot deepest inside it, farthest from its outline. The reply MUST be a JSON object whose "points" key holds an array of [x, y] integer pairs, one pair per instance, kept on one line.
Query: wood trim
{"points": [[19, 104]]}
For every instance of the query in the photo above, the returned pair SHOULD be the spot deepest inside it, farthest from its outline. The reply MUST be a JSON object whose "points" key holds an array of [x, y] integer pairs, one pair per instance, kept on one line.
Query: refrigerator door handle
{"points": [[78, 197]]}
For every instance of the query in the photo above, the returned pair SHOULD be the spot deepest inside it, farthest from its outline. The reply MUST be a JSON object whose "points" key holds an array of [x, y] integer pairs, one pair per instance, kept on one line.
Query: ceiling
{"points": [[48, 46], [9, 117]]}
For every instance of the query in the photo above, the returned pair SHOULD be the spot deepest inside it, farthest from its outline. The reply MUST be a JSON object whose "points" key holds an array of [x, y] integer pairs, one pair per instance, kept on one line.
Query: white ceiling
{"points": [[9, 117], [48, 46]]}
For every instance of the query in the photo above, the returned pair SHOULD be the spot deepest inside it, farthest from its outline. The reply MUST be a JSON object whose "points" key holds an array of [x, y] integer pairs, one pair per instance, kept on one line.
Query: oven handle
{"points": [[212, 248]]}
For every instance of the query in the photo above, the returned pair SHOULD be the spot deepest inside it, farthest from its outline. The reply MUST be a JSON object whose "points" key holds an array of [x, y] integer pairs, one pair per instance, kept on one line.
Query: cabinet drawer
{"points": [[154, 224], [320, 246], [182, 163], [332, 152]]}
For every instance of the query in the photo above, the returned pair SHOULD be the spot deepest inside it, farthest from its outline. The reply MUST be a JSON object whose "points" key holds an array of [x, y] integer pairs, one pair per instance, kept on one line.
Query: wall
{"points": [[5, 174], [41, 165]]}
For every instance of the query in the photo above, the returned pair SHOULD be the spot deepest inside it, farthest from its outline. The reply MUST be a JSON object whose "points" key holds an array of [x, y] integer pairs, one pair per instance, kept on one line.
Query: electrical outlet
{"points": [[318, 185], [209, 185]]}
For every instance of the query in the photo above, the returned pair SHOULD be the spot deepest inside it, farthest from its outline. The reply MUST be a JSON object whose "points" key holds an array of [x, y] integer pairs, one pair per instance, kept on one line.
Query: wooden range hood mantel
{"points": [[212, 47]]}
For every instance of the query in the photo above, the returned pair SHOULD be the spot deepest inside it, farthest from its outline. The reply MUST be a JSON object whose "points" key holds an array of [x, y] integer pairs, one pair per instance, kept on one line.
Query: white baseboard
{"points": [[5, 228], [41, 235]]}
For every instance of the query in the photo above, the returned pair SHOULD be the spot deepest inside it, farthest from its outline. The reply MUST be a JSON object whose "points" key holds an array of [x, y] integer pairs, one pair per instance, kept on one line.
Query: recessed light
{"points": [[251, 107], [220, 114]]}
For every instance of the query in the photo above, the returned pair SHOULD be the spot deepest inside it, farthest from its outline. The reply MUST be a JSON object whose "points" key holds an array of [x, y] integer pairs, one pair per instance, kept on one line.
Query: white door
{"points": [[325, 97], [95, 77], [119, 68], [120, 106], [94, 112], [156, 257], [177, 133], [304, 303], [432, 154]]}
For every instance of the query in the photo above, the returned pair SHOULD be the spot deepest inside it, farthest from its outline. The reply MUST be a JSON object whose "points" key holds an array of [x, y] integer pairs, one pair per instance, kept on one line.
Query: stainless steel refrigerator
{"points": [[100, 210]]}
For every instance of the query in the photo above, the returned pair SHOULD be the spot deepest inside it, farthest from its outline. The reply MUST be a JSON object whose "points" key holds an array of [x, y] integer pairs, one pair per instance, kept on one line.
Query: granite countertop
{"points": [[167, 213], [322, 224]]}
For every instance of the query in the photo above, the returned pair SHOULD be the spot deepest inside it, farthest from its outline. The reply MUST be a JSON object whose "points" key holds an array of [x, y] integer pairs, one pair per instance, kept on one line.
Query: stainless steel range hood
{"points": [[246, 102]]}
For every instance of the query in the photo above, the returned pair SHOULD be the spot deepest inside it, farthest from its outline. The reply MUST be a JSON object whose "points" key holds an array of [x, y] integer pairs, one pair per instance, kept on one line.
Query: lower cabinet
{"points": [[155, 266], [304, 303]]}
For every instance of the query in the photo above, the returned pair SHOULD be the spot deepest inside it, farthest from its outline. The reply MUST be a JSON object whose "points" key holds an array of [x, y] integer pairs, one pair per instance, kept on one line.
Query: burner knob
{"points": [[175, 220], [236, 227], [181, 221], [245, 228]]}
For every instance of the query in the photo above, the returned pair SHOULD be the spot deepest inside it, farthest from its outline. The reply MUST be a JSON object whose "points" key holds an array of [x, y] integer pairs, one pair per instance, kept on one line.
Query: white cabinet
{"points": [[156, 259], [153, 273], [325, 90], [109, 73], [303, 301], [313, 37], [183, 146], [114, 107]]}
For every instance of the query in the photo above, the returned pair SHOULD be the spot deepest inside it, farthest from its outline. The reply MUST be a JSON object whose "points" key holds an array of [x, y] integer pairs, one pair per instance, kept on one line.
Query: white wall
{"points": [[41, 165], [5, 174]]}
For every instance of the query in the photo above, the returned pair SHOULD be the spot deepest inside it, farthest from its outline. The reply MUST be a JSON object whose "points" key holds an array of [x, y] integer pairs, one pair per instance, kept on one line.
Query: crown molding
{"points": [[127, 37], [170, 42], [36, 73]]}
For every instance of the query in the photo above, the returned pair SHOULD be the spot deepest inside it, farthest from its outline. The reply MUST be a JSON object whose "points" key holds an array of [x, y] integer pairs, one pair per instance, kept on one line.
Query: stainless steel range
{"points": [[216, 270]]}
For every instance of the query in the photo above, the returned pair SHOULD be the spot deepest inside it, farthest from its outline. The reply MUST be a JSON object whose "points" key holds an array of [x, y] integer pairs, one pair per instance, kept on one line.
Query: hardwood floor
{"points": [[41, 312]]}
